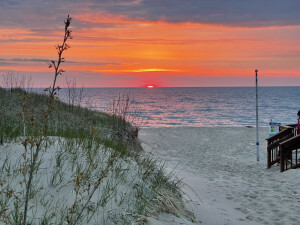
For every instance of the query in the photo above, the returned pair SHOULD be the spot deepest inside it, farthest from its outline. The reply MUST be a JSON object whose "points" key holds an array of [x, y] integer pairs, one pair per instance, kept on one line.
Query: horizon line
{"points": [[178, 86]]}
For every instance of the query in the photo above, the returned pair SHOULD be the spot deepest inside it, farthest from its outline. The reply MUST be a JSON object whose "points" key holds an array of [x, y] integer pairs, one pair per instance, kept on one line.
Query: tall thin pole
{"points": [[257, 140]]}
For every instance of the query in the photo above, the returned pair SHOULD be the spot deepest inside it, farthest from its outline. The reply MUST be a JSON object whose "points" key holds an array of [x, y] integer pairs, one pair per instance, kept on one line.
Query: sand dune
{"points": [[220, 166]]}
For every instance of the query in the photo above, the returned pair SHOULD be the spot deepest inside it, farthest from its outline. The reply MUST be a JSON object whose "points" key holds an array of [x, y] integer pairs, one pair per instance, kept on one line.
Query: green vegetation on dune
{"points": [[63, 122], [81, 152]]}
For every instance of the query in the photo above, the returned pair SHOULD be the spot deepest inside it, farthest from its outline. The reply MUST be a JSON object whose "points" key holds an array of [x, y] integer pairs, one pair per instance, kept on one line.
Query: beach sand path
{"points": [[219, 164]]}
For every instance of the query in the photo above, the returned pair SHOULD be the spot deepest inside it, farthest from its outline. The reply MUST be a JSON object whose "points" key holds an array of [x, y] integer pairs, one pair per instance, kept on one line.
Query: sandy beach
{"points": [[220, 166]]}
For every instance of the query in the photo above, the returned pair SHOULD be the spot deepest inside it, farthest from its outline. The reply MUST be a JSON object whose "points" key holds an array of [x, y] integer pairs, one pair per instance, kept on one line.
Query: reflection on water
{"points": [[221, 106]]}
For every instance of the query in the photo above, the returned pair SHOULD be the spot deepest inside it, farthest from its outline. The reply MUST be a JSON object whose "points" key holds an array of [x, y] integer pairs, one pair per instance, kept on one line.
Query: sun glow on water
{"points": [[200, 107]]}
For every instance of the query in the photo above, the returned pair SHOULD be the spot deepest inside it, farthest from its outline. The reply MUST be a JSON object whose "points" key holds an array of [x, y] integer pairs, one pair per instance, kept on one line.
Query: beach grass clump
{"points": [[162, 190]]}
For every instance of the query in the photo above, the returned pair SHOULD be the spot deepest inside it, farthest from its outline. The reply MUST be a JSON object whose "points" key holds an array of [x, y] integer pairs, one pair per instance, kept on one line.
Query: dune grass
{"points": [[84, 174]]}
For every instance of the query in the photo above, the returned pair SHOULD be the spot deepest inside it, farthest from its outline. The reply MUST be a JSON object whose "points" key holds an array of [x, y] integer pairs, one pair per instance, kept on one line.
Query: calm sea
{"points": [[200, 106]]}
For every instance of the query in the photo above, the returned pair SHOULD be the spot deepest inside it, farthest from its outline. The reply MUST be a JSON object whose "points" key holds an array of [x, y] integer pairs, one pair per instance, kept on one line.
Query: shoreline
{"points": [[218, 126], [219, 165]]}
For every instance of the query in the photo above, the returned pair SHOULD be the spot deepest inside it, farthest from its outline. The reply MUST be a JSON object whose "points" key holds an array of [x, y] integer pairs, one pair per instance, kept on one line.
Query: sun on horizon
{"points": [[150, 86]]}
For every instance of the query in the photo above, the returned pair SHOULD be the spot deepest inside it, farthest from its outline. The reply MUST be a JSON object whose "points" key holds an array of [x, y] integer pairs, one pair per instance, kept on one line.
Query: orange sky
{"points": [[118, 51]]}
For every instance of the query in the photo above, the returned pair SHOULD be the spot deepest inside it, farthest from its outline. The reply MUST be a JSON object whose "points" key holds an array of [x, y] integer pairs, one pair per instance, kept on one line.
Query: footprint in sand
{"points": [[229, 198]]}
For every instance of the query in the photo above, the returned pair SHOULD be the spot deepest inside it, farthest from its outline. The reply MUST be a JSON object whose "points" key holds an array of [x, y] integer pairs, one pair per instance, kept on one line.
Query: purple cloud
{"points": [[255, 13]]}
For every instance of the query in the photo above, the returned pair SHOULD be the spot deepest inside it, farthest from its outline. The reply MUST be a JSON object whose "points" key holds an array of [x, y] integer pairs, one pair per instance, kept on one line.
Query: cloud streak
{"points": [[24, 60]]}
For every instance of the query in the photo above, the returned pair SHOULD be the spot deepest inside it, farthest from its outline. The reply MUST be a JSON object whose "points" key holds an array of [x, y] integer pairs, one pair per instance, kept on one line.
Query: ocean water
{"points": [[199, 106]]}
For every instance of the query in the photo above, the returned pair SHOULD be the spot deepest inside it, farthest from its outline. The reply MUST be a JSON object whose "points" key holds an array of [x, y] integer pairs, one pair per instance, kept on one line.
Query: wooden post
{"points": [[281, 158], [269, 158], [257, 138]]}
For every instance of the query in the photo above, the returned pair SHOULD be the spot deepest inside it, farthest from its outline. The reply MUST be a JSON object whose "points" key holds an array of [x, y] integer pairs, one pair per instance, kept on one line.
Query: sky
{"points": [[165, 43]]}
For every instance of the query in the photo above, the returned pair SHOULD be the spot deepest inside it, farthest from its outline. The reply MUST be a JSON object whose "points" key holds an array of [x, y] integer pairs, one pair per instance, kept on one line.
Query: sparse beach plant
{"points": [[34, 142], [125, 119], [75, 94], [11, 81], [60, 50]]}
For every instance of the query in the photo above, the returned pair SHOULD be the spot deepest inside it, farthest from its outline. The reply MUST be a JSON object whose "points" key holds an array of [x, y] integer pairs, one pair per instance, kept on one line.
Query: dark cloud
{"points": [[7, 3], [230, 12], [221, 12], [21, 61], [92, 63], [254, 13], [6, 63], [32, 13], [11, 40], [16, 61], [24, 60]]}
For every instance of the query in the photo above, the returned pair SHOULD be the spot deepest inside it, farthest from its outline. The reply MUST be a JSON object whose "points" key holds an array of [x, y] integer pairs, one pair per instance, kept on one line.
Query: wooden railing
{"points": [[273, 145], [289, 152], [283, 148]]}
